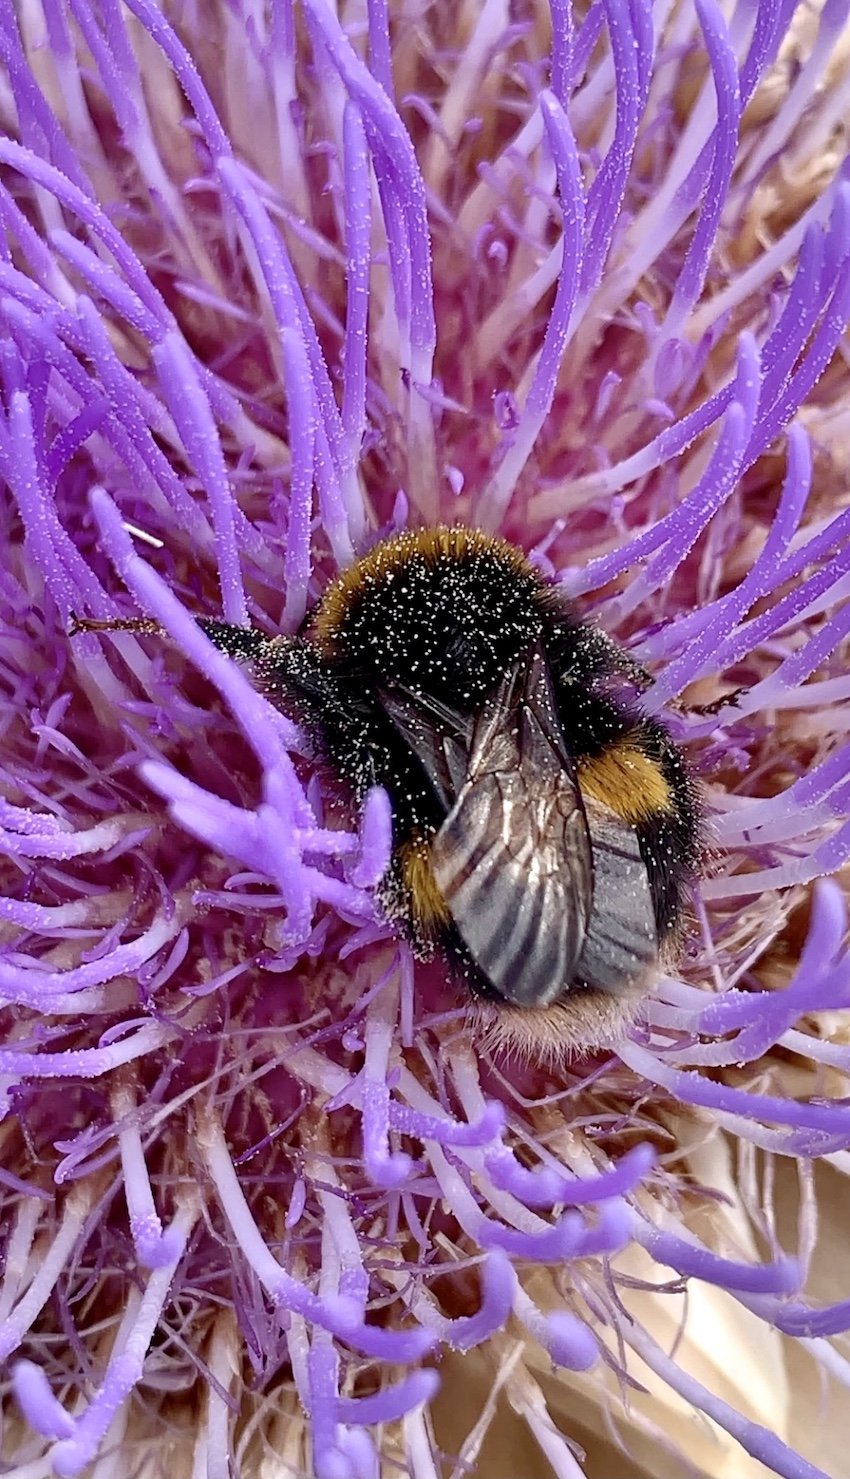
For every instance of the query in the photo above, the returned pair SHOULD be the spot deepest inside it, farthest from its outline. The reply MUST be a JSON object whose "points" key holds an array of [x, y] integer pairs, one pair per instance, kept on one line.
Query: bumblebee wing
{"points": [[438, 736], [621, 945], [513, 858]]}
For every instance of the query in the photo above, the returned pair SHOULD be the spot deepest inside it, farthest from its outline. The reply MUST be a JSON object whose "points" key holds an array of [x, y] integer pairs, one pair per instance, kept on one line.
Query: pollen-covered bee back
{"points": [[447, 607]]}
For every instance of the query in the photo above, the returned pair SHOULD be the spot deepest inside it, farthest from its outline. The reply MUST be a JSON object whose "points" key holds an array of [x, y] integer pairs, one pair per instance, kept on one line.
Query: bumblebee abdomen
{"points": [[627, 780], [642, 778]]}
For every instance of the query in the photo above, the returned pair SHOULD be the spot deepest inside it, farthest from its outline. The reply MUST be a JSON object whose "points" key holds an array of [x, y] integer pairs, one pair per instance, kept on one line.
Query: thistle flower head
{"points": [[273, 280]]}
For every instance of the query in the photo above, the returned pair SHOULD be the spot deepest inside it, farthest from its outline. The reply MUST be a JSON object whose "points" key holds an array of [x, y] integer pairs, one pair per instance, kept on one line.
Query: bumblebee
{"points": [[545, 831]]}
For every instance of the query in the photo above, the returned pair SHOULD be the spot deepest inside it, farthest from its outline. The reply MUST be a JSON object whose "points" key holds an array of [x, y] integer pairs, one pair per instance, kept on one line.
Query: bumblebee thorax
{"points": [[445, 612]]}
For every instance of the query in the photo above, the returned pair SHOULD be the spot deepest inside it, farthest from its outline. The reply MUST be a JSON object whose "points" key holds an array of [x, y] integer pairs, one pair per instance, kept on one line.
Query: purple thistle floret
{"points": [[272, 284]]}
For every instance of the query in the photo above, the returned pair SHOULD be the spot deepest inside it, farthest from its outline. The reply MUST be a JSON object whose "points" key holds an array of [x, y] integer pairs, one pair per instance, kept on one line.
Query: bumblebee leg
{"points": [[243, 643]]}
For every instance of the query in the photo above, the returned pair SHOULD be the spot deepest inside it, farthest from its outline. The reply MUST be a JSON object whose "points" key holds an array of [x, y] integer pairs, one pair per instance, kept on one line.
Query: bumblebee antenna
{"points": [[244, 644], [141, 624]]}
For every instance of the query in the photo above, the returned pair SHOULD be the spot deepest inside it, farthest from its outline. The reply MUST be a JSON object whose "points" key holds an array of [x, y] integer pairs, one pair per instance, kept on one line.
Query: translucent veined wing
{"points": [[439, 737], [621, 944], [513, 858]]}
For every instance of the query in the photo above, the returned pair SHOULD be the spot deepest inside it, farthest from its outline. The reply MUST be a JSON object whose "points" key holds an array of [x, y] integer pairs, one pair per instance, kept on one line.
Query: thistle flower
{"points": [[274, 279]]}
